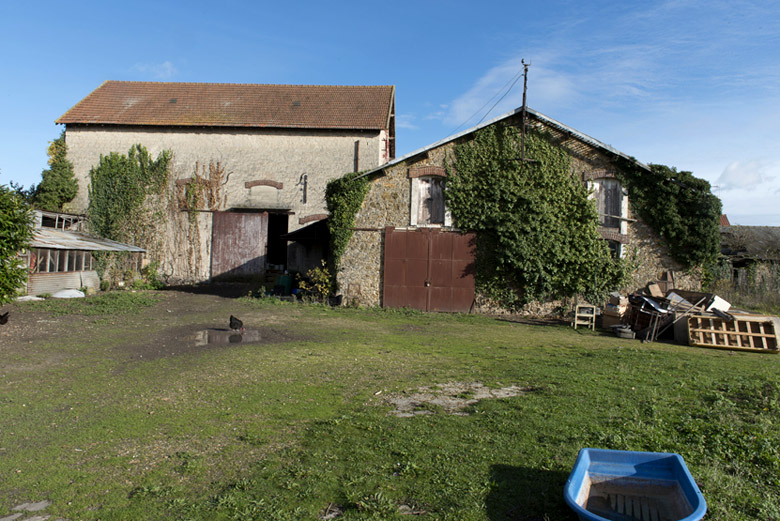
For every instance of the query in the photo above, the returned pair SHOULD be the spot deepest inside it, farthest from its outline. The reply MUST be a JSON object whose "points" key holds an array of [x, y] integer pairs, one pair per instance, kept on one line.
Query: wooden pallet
{"points": [[745, 332]]}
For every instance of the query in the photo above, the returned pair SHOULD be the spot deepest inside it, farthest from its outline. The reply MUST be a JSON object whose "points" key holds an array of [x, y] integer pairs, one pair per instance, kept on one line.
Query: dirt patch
{"points": [[451, 398]]}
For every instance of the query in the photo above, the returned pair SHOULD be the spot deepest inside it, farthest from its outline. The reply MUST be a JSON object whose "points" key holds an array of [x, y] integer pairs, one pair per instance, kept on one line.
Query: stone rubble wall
{"points": [[277, 158], [388, 204]]}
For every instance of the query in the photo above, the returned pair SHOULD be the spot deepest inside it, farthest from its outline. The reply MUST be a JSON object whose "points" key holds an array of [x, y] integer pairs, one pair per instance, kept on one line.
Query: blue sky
{"points": [[692, 84]]}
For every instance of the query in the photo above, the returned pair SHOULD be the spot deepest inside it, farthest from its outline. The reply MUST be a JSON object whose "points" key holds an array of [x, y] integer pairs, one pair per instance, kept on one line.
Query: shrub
{"points": [[16, 232]]}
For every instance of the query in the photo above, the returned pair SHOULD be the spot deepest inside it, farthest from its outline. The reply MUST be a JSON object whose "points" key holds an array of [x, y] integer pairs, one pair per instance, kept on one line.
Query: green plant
{"points": [[678, 206], [58, 184], [203, 190], [317, 282], [343, 197], [125, 198], [16, 232], [119, 187], [537, 232], [151, 276]]}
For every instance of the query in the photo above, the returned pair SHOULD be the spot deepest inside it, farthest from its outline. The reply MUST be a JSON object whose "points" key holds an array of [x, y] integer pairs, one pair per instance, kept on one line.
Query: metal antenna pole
{"points": [[525, 90]]}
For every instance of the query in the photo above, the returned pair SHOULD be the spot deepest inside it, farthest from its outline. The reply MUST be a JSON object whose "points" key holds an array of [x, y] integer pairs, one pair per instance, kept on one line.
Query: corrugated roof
{"points": [[757, 242], [66, 240], [533, 114], [235, 105]]}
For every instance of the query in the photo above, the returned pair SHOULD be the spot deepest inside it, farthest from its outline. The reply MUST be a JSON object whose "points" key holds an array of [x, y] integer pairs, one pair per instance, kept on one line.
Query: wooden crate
{"points": [[745, 332], [584, 315]]}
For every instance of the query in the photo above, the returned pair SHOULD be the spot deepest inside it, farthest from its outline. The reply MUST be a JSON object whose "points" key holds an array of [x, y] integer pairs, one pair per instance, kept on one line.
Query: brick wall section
{"points": [[279, 156], [388, 204]]}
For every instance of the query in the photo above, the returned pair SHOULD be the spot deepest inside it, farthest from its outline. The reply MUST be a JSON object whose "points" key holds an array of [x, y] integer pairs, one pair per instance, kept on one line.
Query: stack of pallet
{"points": [[614, 313]]}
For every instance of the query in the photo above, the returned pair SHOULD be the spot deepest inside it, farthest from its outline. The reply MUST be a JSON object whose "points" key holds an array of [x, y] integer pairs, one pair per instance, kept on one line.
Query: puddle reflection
{"points": [[225, 336]]}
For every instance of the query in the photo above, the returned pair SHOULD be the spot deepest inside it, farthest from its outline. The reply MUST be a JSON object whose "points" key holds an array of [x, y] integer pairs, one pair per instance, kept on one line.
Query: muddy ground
{"points": [[185, 320]]}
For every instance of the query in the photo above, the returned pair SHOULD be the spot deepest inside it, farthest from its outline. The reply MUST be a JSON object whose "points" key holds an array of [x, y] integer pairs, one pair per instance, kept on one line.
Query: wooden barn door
{"points": [[238, 244], [429, 270]]}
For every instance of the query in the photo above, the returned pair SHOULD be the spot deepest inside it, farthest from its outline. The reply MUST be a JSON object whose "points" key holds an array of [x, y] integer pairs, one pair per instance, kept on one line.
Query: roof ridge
{"points": [[239, 84]]}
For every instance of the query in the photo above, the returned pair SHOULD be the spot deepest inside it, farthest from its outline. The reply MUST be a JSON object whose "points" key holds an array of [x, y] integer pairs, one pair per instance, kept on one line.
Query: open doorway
{"points": [[277, 246]]}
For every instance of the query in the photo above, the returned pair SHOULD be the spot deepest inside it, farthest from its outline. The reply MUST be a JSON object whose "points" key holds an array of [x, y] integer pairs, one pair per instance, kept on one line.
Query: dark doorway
{"points": [[277, 246]]}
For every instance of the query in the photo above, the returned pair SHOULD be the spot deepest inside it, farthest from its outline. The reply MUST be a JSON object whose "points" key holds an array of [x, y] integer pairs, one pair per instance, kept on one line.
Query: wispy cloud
{"points": [[159, 71], [746, 175], [405, 121]]}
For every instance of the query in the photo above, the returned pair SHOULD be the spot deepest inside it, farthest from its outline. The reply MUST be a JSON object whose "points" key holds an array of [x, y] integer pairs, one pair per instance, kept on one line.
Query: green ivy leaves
{"points": [[119, 186], [537, 232], [679, 207], [343, 197]]}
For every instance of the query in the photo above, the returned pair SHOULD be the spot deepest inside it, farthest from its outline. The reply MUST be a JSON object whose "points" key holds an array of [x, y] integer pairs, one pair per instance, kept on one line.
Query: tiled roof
{"points": [[235, 105]]}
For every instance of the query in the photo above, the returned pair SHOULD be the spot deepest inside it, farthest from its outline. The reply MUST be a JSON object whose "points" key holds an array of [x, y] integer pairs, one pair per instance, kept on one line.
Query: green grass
{"points": [[115, 302], [292, 429]]}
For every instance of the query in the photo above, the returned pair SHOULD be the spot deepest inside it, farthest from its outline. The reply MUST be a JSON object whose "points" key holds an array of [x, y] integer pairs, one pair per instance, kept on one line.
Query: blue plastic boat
{"points": [[618, 485]]}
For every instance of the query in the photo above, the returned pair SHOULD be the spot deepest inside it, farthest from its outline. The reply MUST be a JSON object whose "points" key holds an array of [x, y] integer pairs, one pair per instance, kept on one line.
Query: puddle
{"points": [[207, 337], [188, 341]]}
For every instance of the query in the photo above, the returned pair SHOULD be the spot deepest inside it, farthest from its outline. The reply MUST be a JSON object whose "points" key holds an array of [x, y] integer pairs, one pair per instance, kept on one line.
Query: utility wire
{"points": [[517, 78], [514, 79]]}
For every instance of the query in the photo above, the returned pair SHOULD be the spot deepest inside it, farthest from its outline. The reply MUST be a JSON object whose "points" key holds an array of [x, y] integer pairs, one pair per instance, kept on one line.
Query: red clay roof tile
{"points": [[235, 105]]}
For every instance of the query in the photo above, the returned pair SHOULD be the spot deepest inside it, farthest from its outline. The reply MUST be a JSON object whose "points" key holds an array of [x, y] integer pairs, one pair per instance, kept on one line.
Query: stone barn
{"points": [[406, 251], [260, 154]]}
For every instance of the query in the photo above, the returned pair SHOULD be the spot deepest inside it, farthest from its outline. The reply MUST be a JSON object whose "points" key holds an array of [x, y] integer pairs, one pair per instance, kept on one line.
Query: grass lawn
{"points": [[115, 408]]}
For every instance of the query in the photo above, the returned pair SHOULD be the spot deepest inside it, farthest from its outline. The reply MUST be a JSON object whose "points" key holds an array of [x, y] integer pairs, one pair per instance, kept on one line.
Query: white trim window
{"points": [[611, 203], [427, 202]]}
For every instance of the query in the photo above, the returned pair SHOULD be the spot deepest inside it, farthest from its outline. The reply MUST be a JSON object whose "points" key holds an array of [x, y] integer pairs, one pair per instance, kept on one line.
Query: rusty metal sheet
{"points": [[72, 240], [452, 272], [238, 244], [428, 269]]}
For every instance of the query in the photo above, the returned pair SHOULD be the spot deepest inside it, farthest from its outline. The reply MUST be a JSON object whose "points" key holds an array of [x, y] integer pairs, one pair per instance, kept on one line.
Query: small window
{"points": [[616, 249], [431, 200], [609, 201], [53, 261]]}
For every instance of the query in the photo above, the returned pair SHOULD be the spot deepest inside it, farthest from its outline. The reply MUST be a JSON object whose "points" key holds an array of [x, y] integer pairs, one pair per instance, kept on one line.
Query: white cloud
{"points": [[405, 121], [745, 175], [159, 71]]}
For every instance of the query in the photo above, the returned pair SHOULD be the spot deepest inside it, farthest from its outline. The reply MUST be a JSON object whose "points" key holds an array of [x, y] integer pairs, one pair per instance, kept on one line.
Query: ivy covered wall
{"points": [[556, 239]]}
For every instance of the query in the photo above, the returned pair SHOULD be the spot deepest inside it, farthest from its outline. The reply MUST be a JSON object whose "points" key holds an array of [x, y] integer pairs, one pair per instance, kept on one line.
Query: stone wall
{"points": [[282, 170], [388, 204]]}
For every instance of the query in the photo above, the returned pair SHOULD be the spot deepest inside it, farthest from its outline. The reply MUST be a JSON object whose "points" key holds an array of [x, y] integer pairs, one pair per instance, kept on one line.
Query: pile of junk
{"points": [[687, 317]]}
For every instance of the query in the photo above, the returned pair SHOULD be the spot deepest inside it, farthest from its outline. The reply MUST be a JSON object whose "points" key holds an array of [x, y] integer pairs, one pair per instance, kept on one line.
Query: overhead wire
{"points": [[513, 80]]}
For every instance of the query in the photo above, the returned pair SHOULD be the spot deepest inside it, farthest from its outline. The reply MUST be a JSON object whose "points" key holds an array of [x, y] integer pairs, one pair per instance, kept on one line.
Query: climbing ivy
{"points": [[537, 232], [678, 206], [119, 187], [343, 197]]}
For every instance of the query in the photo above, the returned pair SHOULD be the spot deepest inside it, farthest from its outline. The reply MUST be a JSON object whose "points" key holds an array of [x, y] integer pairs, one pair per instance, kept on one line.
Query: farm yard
{"points": [[144, 405]]}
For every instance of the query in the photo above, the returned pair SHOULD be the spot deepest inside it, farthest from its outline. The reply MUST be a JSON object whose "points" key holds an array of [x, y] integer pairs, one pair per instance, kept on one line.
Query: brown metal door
{"points": [[428, 269], [451, 271], [238, 244]]}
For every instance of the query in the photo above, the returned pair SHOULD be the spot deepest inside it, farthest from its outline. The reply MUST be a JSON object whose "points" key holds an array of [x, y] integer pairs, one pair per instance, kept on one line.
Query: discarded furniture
{"points": [[584, 315], [733, 331], [648, 317], [616, 485], [615, 311]]}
